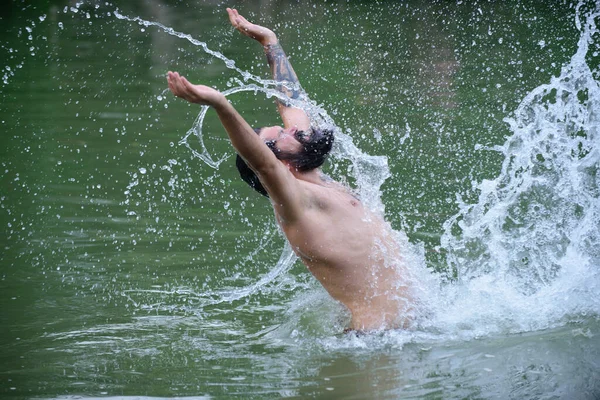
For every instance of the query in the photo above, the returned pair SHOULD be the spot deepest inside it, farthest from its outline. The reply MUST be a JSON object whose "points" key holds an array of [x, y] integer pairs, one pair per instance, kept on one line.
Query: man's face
{"points": [[283, 139]]}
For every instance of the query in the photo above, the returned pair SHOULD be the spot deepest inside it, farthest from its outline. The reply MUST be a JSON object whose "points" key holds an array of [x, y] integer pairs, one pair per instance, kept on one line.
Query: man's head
{"points": [[302, 150]]}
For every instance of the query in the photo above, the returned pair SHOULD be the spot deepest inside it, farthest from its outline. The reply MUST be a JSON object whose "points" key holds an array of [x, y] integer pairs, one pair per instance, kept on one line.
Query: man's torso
{"points": [[352, 252]]}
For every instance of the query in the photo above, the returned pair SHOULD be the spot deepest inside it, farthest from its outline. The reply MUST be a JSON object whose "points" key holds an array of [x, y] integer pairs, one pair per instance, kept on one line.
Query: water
{"points": [[529, 247], [134, 266]]}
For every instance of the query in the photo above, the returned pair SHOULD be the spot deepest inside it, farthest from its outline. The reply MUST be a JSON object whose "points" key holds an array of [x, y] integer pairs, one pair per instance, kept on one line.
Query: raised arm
{"points": [[281, 68], [282, 186]]}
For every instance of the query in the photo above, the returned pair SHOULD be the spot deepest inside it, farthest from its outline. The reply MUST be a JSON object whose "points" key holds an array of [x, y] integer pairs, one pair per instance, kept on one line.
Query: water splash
{"points": [[526, 255], [196, 129], [369, 171], [212, 297]]}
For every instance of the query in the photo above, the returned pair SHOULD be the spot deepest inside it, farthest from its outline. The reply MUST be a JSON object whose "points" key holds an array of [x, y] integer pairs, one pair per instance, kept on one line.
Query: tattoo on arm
{"points": [[282, 70]]}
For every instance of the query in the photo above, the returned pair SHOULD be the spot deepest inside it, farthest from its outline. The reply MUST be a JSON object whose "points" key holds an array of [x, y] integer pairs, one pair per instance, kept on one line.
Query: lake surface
{"points": [[131, 267]]}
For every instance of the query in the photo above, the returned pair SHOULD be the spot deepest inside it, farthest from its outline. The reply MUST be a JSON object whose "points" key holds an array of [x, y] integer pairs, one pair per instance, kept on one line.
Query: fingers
{"points": [[232, 17], [175, 83], [170, 81], [185, 83], [180, 85], [243, 20], [238, 22]]}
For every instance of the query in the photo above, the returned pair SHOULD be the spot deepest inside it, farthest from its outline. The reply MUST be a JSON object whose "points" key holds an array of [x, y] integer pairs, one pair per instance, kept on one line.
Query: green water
{"points": [[118, 246]]}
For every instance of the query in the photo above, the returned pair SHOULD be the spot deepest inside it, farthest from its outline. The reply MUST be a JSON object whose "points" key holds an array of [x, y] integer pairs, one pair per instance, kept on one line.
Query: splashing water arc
{"points": [[536, 227], [369, 171]]}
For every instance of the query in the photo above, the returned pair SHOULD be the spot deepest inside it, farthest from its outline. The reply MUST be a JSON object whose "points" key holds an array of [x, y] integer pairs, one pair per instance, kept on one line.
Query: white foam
{"points": [[527, 254]]}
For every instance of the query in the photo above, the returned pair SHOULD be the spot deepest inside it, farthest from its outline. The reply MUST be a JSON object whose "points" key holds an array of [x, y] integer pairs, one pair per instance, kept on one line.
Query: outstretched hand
{"points": [[198, 94], [259, 33]]}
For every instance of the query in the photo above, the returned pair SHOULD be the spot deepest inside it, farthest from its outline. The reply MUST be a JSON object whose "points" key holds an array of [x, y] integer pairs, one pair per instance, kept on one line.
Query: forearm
{"points": [[243, 138], [282, 70], [283, 189]]}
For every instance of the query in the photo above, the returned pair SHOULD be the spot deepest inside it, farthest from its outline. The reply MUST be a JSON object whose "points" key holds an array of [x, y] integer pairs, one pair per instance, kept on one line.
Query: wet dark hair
{"points": [[316, 145]]}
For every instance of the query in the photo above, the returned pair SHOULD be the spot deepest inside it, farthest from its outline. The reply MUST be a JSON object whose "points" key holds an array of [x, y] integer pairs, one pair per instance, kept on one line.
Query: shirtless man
{"points": [[350, 250]]}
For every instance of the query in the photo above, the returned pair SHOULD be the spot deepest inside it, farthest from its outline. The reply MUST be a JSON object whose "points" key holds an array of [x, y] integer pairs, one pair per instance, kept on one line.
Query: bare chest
{"points": [[332, 233]]}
